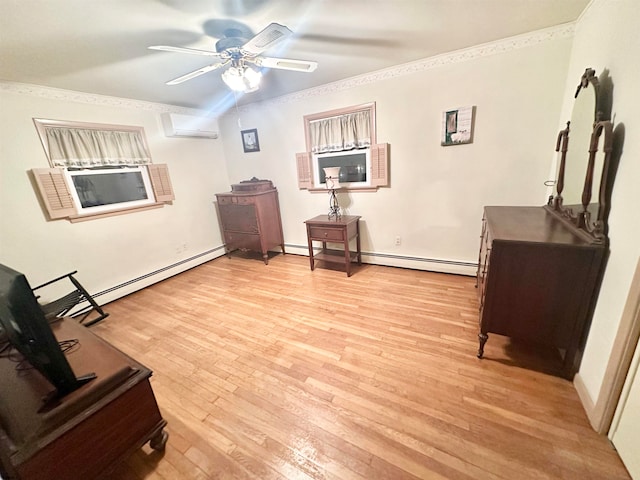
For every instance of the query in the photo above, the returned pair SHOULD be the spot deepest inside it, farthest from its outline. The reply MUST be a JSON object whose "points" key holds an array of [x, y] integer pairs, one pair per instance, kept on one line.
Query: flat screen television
{"points": [[29, 332]]}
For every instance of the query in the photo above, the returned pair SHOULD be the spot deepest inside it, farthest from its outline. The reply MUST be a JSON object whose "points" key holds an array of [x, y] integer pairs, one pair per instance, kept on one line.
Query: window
{"points": [[344, 138], [104, 190], [97, 170], [355, 166]]}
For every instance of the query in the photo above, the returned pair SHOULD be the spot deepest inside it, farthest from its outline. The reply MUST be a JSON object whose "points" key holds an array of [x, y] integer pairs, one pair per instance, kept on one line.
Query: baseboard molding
{"points": [[389, 260], [404, 261], [138, 283], [587, 402]]}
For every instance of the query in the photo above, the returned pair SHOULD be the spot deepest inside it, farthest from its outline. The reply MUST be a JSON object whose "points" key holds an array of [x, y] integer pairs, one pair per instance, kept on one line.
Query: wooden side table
{"points": [[340, 230]]}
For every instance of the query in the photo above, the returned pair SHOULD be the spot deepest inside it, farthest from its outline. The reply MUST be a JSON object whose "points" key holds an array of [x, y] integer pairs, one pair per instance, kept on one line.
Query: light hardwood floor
{"points": [[277, 372]]}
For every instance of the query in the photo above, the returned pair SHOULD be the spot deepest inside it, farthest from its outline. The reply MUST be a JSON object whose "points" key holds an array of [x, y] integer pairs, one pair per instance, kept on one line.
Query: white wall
{"points": [[109, 251], [607, 38], [437, 193]]}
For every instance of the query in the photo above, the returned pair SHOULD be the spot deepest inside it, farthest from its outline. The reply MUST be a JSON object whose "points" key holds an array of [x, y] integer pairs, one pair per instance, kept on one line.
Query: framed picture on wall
{"points": [[457, 126], [250, 141]]}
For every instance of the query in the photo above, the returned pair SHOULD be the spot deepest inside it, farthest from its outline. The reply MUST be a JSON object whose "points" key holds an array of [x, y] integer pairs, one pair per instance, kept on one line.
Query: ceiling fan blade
{"points": [[192, 51], [197, 73], [286, 64], [272, 34]]}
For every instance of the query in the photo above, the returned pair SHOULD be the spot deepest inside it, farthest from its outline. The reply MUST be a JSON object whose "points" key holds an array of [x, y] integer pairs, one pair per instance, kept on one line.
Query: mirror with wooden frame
{"points": [[582, 187]]}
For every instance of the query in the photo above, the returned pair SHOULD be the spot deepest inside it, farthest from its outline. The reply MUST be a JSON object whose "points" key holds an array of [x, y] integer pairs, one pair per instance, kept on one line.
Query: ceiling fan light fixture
{"points": [[242, 79]]}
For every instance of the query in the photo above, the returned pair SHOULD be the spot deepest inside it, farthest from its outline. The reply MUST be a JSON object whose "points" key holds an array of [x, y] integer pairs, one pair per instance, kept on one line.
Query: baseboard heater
{"points": [[404, 258], [156, 272]]}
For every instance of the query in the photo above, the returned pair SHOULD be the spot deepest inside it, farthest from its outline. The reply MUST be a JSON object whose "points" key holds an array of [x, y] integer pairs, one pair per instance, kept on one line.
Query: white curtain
{"points": [[84, 147], [344, 132]]}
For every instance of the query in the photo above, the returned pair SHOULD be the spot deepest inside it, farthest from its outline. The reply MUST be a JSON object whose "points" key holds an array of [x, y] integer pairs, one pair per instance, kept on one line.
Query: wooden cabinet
{"points": [[334, 230], [250, 217], [537, 280], [92, 429]]}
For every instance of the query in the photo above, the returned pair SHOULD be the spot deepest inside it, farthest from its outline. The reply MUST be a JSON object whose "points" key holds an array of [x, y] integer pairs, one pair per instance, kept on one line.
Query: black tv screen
{"points": [[109, 188], [29, 332]]}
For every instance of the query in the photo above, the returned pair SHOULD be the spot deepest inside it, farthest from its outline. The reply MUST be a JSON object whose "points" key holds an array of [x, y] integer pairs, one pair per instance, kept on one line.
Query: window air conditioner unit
{"points": [[178, 125]]}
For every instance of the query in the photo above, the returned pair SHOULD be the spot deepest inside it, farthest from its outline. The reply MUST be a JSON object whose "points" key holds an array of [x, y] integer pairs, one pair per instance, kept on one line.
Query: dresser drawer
{"points": [[239, 218], [236, 200], [243, 241], [245, 200], [326, 234]]}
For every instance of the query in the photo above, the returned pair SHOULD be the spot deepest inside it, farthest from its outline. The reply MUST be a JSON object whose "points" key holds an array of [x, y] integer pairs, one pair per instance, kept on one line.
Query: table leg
{"points": [[347, 255], [310, 248], [159, 441], [482, 337], [358, 242]]}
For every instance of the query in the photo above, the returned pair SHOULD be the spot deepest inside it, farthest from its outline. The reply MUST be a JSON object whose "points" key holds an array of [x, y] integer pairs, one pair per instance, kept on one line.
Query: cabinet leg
{"points": [[265, 257], [159, 441], [483, 337]]}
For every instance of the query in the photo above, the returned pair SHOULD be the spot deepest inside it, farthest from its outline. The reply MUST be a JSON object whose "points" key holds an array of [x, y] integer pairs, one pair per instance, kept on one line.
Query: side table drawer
{"points": [[326, 234]]}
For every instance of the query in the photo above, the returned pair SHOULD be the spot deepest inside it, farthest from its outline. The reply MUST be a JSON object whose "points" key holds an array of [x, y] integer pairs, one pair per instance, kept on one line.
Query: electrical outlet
{"points": [[398, 240]]}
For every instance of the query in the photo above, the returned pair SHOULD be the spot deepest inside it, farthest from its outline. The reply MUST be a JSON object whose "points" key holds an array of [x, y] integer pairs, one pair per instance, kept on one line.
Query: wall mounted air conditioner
{"points": [[179, 125]]}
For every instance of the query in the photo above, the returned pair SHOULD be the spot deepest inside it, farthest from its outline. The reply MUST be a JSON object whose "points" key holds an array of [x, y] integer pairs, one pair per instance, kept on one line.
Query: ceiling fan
{"points": [[238, 53]]}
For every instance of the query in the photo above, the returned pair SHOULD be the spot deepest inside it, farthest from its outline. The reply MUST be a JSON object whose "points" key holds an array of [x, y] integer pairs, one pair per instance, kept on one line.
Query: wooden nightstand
{"points": [[340, 230]]}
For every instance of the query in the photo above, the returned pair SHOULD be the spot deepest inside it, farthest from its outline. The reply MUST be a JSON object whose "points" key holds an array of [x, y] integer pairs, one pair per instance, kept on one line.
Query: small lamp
{"points": [[332, 182]]}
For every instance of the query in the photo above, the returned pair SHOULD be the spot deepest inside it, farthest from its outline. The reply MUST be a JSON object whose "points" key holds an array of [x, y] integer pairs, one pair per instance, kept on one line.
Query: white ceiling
{"points": [[100, 46]]}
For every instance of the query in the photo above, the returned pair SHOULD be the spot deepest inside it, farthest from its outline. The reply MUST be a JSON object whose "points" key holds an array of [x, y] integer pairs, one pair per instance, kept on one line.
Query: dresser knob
{"points": [[326, 233]]}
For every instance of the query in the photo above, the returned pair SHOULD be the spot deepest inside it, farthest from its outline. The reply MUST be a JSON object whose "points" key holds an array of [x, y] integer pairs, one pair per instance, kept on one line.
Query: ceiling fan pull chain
{"points": [[235, 97]]}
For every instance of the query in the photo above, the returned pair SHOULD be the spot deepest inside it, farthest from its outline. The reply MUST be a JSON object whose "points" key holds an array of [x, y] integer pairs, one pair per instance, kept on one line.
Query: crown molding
{"points": [[93, 98], [566, 30]]}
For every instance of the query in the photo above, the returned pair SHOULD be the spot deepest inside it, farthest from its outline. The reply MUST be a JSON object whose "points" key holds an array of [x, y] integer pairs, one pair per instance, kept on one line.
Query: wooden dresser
{"points": [[250, 217], [537, 280], [540, 268]]}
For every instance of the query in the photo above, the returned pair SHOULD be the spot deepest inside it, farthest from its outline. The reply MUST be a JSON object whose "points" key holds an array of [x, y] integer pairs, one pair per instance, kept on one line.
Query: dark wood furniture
{"points": [[335, 230], [90, 430], [250, 217], [537, 280], [540, 268]]}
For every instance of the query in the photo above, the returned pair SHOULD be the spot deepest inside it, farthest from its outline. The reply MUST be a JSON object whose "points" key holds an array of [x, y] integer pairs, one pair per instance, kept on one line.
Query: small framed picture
{"points": [[457, 126], [250, 141]]}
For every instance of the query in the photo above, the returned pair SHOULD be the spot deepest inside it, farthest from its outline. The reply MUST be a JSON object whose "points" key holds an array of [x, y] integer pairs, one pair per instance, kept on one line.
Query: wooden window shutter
{"points": [[303, 162], [159, 176], [380, 165], [54, 191]]}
